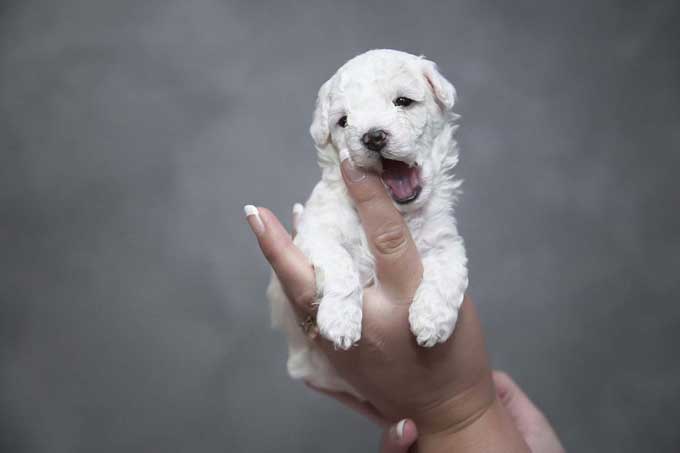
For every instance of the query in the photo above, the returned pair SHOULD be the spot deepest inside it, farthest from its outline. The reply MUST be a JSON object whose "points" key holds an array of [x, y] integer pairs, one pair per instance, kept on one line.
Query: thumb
{"points": [[398, 265]]}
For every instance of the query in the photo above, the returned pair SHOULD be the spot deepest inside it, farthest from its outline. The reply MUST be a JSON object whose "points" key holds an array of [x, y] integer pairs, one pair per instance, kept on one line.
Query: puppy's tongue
{"points": [[402, 180]]}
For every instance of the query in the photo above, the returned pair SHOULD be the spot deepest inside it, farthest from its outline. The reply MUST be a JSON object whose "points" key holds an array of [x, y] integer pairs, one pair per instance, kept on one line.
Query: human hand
{"points": [[528, 419], [396, 438], [532, 424], [445, 389]]}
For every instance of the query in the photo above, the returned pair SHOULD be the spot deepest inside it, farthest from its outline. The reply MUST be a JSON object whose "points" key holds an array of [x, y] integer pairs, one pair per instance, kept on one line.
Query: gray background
{"points": [[132, 314]]}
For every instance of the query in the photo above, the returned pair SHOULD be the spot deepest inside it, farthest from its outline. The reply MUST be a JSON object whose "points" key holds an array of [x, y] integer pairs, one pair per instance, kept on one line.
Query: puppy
{"points": [[390, 113]]}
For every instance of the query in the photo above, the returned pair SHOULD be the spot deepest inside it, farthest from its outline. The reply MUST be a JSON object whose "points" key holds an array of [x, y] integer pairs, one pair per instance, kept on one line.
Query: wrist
{"points": [[493, 431], [453, 414], [474, 421]]}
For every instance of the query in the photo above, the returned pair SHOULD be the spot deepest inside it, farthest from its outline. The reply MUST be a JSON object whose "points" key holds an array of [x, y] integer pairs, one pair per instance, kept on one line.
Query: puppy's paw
{"points": [[432, 318], [340, 322]]}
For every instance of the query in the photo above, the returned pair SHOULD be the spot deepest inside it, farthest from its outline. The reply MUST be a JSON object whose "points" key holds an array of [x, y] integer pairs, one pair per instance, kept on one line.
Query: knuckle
{"points": [[501, 375], [390, 239], [365, 196]]}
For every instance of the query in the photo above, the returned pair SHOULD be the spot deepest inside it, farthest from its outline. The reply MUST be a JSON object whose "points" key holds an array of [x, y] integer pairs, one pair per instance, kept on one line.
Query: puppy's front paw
{"points": [[432, 318], [340, 321]]}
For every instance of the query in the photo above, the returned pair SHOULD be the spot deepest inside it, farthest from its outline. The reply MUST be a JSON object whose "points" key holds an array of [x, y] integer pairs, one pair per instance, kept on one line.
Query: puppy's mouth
{"points": [[401, 179]]}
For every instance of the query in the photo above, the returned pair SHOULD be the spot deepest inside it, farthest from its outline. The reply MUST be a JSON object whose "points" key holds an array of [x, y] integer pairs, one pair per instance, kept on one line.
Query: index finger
{"points": [[398, 265]]}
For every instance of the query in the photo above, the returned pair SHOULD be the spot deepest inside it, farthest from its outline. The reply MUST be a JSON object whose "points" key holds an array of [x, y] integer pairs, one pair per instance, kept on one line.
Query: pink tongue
{"points": [[400, 178]]}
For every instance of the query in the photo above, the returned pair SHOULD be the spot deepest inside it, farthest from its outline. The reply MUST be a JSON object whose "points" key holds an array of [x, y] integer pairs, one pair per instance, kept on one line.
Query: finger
{"points": [[364, 408], [399, 437], [529, 420], [398, 264], [290, 265], [298, 209], [514, 399]]}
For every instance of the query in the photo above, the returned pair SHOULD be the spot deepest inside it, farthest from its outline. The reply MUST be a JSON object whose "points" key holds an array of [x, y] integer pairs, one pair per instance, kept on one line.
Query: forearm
{"points": [[493, 431]]}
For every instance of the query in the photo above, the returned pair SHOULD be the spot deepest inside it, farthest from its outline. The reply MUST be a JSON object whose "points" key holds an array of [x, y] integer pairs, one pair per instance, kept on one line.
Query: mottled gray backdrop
{"points": [[132, 315]]}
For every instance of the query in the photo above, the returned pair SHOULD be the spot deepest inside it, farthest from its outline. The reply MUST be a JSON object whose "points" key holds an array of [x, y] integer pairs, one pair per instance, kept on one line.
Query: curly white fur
{"points": [[329, 232]]}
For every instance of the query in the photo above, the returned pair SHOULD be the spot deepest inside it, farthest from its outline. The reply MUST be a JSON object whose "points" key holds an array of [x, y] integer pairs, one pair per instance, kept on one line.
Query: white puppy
{"points": [[389, 112]]}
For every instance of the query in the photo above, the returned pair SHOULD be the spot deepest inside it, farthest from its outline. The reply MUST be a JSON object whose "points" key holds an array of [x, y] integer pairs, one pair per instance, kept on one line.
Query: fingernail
{"points": [[297, 209], [399, 430], [354, 174], [253, 218]]}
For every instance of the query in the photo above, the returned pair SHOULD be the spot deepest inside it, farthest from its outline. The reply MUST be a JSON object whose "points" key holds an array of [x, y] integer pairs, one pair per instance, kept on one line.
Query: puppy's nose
{"points": [[375, 139]]}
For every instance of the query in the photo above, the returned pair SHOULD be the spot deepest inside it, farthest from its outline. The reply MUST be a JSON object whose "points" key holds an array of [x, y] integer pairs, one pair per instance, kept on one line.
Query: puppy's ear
{"points": [[320, 127], [442, 88]]}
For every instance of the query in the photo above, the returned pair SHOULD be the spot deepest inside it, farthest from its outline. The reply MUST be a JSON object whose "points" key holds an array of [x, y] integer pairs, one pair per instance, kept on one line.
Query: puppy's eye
{"points": [[342, 122], [402, 101]]}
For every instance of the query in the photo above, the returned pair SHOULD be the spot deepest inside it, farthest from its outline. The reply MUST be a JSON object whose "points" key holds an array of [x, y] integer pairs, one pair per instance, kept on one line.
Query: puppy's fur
{"points": [[364, 91]]}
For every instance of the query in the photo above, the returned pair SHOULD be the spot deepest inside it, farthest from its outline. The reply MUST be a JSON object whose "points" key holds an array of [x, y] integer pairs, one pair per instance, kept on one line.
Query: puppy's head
{"points": [[385, 108]]}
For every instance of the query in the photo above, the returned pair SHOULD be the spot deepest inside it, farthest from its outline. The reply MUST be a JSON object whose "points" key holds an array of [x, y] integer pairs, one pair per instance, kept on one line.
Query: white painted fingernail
{"points": [[354, 174], [298, 209], [253, 217], [400, 429]]}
